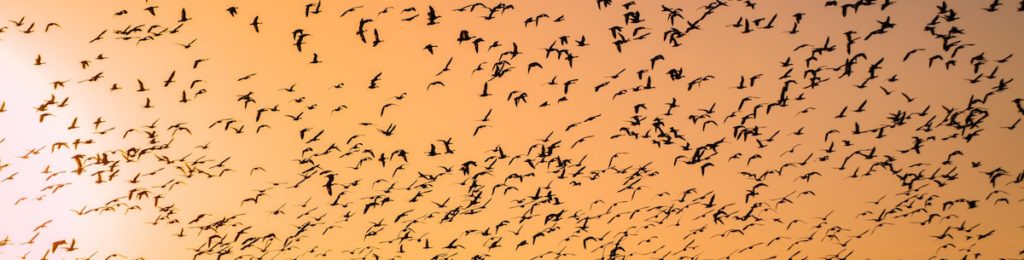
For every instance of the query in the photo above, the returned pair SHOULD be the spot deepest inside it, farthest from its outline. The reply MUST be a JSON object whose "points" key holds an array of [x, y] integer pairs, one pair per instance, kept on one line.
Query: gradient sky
{"points": [[624, 184]]}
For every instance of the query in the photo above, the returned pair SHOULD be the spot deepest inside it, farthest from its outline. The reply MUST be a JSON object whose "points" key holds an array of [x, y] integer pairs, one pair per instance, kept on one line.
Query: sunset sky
{"points": [[511, 130]]}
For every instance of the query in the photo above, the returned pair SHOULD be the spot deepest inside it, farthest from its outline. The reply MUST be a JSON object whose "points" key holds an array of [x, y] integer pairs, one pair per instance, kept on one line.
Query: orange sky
{"points": [[623, 172]]}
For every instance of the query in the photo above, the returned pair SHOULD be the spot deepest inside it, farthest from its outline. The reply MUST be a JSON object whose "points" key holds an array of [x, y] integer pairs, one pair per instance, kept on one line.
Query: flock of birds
{"points": [[514, 130]]}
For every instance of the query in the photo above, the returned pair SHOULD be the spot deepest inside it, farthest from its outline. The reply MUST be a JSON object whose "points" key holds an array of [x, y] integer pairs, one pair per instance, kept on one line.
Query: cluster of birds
{"points": [[880, 129]]}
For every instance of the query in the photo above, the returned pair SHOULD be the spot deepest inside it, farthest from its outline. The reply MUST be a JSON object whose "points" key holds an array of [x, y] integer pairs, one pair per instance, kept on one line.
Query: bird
{"points": [[256, 23]]}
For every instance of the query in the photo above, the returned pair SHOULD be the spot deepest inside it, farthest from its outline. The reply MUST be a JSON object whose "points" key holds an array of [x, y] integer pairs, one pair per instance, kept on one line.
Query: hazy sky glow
{"points": [[511, 130]]}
